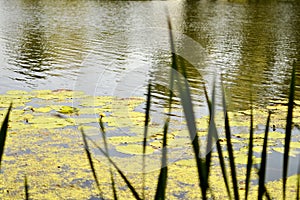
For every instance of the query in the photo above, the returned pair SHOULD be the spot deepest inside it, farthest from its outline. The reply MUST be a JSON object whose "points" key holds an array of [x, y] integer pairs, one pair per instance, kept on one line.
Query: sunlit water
{"points": [[117, 47]]}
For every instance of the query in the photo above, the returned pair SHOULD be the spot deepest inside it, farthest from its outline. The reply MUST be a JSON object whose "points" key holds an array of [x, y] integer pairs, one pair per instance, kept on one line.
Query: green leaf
{"points": [[262, 170], [3, 132], [26, 188], [229, 147], [186, 102], [68, 110], [86, 148], [250, 152], [132, 189], [147, 117], [288, 129], [163, 175]]}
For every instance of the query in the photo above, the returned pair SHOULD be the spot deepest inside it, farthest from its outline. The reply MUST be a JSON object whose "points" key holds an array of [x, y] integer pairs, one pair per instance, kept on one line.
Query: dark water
{"points": [[116, 47]]}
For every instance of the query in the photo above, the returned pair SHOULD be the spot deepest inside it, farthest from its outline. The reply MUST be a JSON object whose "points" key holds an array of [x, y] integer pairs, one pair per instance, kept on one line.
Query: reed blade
{"points": [[288, 129], [26, 188], [206, 97], [219, 148], [129, 185], [212, 135], [3, 132], [223, 168], [163, 175], [229, 147], [86, 148], [147, 118], [298, 182], [250, 153], [263, 164], [186, 102], [102, 129], [174, 66], [113, 185], [267, 194]]}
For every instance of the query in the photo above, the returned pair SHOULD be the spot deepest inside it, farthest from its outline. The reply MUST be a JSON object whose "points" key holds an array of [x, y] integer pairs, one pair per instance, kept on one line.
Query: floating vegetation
{"points": [[133, 149], [124, 140], [68, 110], [43, 142]]}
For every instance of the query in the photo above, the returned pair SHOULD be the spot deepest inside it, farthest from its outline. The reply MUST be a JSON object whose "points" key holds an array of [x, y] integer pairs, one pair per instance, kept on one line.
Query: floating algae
{"points": [[133, 149], [44, 144], [68, 110]]}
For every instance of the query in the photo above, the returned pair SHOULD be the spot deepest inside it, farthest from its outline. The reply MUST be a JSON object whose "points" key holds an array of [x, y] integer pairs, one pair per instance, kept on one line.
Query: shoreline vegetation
{"points": [[44, 157]]}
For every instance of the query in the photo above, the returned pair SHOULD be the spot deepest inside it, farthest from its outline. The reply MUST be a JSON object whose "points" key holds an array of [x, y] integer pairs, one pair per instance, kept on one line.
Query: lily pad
{"points": [[16, 92], [68, 110], [43, 109], [116, 140]]}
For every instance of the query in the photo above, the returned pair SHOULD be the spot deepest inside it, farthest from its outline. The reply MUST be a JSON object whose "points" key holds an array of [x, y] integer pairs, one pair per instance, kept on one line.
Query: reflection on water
{"points": [[31, 53], [252, 45], [115, 48]]}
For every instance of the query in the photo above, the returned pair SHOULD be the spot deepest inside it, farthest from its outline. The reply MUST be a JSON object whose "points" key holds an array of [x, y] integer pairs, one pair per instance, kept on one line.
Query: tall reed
{"points": [[288, 128], [3, 132], [178, 78]]}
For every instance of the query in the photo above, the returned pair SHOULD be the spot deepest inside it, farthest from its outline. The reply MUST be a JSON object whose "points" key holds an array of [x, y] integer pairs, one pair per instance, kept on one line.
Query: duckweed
{"points": [[133, 149], [44, 144], [124, 140]]}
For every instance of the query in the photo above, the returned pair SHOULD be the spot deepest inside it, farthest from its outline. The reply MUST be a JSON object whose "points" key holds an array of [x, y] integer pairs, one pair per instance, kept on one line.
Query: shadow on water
{"points": [[274, 166]]}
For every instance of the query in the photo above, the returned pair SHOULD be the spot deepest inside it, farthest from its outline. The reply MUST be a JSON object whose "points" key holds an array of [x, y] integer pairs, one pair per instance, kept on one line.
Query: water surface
{"points": [[116, 47]]}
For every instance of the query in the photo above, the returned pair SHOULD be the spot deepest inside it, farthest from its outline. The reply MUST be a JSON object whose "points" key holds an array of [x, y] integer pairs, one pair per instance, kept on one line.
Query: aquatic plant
{"points": [[228, 159], [288, 129], [203, 163], [3, 132]]}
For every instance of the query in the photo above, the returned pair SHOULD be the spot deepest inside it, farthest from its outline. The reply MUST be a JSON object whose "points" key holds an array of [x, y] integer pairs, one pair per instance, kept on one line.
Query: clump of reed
{"points": [[178, 79]]}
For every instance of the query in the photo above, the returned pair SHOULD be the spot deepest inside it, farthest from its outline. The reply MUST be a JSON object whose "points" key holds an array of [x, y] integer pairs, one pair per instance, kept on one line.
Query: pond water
{"points": [[116, 47]]}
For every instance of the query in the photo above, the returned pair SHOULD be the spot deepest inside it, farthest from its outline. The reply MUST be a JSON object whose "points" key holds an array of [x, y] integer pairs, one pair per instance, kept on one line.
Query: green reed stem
{"points": [[113, 185], [229, 147], [250, 153], [26, 188], [288, 129], [3, 132], [147, 119], [163, 175], [187, 105], [86, 148], [263, 164], [129, 185]]}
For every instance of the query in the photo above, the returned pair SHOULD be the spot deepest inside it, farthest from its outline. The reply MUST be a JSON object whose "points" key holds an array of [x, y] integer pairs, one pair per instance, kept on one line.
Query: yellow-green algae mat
{"points": [[44, 144]]}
